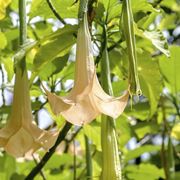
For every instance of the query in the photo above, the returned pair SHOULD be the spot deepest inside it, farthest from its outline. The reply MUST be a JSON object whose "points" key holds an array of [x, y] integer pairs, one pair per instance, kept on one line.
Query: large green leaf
{"points": [[93, 133], [53, 67], [56, 44], [172, 4], [175, 133], [144, 171], [170, 68], [155, 37], [139, 151], [145, 128], [8, 167], [142, 5], [150, 80], [139, 111], [3, 6], [66, 9], [3, 40], [124, 130], [8, 64]]}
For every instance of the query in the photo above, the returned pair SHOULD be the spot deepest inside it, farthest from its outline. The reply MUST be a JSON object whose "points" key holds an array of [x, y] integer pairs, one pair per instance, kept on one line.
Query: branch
{"points": [[55, 12], [41, 172], [48, 155], [68, 141]]}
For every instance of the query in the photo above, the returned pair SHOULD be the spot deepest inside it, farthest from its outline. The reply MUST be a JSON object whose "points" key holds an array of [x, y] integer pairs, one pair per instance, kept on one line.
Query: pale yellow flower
{"points": [[20, 135], [87, 99]]}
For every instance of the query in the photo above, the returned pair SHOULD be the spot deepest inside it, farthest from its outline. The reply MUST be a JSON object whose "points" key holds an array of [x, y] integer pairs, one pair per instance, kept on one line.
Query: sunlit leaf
{"points": [[3, 40], [3, 6], [144, 171], [135, 153], [170, 68], [175, 133]]}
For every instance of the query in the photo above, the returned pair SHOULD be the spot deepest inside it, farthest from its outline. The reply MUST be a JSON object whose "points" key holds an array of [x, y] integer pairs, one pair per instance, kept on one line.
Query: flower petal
{"points": [[19, 143], [109, 105], [57, 103], [43, 138], [82, 112]]}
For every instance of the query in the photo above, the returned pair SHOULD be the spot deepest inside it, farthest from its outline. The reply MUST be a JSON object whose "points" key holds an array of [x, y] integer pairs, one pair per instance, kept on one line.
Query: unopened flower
{"points": [[87, 99], [20, 135]]}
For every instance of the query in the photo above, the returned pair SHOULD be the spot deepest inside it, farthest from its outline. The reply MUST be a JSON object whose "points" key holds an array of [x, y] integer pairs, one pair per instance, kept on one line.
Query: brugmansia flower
{"points": [[20, 135], [87, 99]]}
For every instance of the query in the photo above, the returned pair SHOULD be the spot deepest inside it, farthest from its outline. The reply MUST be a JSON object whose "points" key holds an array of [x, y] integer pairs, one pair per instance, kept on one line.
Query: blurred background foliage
{"points": [[149, 129]]}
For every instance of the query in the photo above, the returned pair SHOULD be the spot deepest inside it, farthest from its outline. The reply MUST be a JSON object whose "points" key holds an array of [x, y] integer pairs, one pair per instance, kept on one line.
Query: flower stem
{"points": [[83, 6], [88, 158], [22, 30], [22, 22], [111, 168]]}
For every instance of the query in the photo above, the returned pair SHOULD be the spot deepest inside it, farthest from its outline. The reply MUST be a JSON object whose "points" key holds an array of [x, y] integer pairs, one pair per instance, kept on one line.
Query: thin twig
{"points": [[55, 12], [3, 80], [74, 160], [48, 155], [68, 141], [41, 172]]}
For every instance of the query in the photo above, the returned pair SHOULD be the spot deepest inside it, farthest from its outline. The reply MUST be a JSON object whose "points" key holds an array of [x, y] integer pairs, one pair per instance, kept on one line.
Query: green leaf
{"points": [[59, 160], [144, 171], [3, 40], [158, 40], [116, 62], [16, 176], [175, 132], [172, 4], [8, 167], [142, 5], [53, 67], [139, 111], [57, 44], [170, 68], [150, 80], [93, 133], [3, 6], [139, 151], [8, 64], [144, 128], [108, 9], [66, 9], [168, 22], [155, 37], [124, 130]]}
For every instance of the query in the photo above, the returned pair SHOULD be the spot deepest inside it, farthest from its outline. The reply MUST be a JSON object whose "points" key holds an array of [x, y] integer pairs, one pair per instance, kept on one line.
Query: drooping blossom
{"points": [[87, 99], [20, 134]]}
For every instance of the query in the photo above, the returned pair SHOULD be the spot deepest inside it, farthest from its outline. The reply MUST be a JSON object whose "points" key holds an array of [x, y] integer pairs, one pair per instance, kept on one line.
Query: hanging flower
{"points": [[87, 99], [20, 135]]}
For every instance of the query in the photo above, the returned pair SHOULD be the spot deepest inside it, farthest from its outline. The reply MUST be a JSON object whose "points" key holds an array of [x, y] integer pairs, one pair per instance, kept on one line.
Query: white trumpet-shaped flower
{"points": [[87, 99], [20, 135]]}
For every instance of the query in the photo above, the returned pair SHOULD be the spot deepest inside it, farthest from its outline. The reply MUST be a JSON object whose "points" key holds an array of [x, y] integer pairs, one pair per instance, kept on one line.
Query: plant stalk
{"points": [[22, 22], [22, 31], [111, 168], [128, 27], [88, 158]]}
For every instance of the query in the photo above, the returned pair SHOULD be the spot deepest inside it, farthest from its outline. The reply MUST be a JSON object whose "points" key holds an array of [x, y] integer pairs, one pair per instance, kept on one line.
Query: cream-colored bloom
{"points": [[20, 135], [87, 99]]}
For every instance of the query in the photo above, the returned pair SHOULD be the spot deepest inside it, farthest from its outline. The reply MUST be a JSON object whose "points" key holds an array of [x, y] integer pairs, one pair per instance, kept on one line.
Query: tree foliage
{"points": [[148, 131]]}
